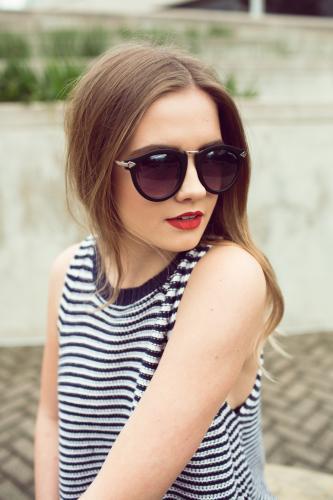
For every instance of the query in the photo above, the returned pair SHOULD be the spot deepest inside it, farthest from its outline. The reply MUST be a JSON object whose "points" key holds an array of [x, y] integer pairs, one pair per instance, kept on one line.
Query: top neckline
{"points": [[129, 295]]}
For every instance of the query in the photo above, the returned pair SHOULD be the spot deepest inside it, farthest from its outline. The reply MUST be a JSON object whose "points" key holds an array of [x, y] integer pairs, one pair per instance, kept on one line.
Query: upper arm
{"points": [[48, 380], [218, 322], [225, 299]]}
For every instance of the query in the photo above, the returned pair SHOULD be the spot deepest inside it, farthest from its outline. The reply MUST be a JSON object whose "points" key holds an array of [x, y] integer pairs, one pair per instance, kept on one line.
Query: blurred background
{"points": [[276, 58]]}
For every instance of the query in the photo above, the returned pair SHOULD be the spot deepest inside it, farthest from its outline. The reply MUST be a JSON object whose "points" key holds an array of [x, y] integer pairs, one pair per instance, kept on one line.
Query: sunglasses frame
{"points": [[131, 166]]}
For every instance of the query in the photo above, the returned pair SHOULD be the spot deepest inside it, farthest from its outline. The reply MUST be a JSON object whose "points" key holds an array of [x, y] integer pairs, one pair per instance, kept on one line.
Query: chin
{"points": [[184, 243]]}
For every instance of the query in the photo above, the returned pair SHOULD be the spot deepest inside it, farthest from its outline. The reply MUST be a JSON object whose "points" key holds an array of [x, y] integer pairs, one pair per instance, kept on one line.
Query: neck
{"points": [[140, 263]]}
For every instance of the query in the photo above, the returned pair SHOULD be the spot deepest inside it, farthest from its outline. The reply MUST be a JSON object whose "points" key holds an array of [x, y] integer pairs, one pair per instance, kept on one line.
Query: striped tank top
{"points": [[106, 360]]}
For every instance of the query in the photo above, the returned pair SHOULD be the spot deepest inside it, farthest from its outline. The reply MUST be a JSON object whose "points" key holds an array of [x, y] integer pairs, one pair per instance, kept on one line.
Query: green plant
{"points": [[69, 43], [93, 42], [60, 43], [57, 80], [192, 39], [13, 45], [18, 82], [250, 92], [124, 32], [279, 47], [157, 35], [231, 86], [217, 30]]}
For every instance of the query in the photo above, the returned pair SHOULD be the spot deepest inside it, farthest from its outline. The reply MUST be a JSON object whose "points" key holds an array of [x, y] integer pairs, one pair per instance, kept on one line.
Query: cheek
{"points": [[132, 207], [122, 188]]}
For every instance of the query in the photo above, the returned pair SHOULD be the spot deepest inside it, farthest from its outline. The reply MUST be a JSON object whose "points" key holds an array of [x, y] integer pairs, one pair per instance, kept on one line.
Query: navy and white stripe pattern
{"points": [[106, 360]]}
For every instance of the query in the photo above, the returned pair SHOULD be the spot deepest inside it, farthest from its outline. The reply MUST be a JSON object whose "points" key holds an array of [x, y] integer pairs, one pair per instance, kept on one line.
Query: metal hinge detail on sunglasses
{"points": [[126, 164]]}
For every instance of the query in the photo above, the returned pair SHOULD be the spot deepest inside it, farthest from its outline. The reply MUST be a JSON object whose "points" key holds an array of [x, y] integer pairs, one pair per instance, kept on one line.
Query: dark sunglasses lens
{"points": [[219, 169], [158, 174]]}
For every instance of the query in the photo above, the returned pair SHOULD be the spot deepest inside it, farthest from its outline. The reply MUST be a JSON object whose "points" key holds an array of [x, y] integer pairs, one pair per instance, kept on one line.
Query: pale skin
{"points": [[209, 358]]}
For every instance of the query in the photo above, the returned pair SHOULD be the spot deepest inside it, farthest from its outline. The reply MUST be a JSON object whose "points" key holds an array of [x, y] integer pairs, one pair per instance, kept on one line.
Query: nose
{"points": [[191, 187]]}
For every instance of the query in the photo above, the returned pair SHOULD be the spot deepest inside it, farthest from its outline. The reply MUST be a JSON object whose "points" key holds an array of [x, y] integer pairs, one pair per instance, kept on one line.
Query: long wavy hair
{"points": [[103, 112]]}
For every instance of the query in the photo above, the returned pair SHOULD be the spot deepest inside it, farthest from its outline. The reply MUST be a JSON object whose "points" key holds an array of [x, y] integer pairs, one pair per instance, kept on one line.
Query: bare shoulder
{"points": [[58, 271], [228, 288], [232, 261], [63, 259], [229, 276]]}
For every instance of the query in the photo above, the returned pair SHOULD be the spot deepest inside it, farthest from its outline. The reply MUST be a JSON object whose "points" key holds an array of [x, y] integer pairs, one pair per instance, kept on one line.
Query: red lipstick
{"points": [[187, 220], [187, 214]]}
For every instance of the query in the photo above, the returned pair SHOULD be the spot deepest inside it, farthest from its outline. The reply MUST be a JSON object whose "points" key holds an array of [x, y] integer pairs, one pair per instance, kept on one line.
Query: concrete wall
{"points": [[34, 225], [113, 6], [290, 210]]}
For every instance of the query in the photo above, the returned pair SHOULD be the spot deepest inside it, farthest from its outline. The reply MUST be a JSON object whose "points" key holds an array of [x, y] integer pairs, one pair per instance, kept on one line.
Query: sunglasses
{"points": [[158, 175]]}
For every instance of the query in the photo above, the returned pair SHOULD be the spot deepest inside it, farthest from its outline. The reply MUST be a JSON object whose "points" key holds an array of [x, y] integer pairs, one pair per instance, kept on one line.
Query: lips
{"points": [[187, 214]]}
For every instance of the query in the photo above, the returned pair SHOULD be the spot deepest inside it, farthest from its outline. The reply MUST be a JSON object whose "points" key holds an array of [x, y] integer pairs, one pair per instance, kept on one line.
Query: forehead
{"points": [[185, 118]]}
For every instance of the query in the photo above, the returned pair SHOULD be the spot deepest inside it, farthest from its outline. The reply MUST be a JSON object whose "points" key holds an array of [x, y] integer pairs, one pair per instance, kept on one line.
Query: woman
{"points": [[158, 318]]}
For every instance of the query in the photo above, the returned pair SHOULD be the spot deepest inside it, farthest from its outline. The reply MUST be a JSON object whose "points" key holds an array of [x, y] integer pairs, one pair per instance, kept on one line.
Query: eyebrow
{"points": [[152, 147]]}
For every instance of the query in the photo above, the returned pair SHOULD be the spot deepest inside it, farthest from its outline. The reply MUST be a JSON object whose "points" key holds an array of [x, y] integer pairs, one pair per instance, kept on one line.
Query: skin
{"points": [[185, 119]]}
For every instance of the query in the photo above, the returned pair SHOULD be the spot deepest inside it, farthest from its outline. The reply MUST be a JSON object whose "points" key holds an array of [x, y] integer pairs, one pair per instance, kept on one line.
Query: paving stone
{"points": [[297, 391], [298, 484], [271, 440], [328, 406], [316, 422], [307, 390], [322, 395], [4, 454], [8, 406], [324, 441], [286, 419], [329, 464], [306, 456], [279, 455], [292, 434], [10, 491], [15, 466], [304, 408], [23, 447], [27, 426]]}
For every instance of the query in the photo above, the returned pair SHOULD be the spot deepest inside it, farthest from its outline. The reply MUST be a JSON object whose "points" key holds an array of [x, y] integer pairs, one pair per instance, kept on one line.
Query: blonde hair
{"points": [[103, 112]]}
